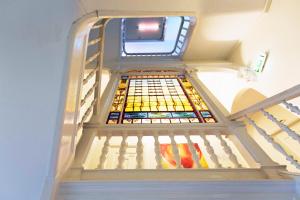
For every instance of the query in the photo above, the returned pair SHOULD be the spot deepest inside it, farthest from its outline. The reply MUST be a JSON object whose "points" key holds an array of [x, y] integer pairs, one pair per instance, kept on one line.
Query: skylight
{"points": [[160, 36], [158, 99]]}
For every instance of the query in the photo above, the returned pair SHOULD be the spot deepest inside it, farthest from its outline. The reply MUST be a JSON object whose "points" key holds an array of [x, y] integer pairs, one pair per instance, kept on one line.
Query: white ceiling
{"points": [[220, 25]]}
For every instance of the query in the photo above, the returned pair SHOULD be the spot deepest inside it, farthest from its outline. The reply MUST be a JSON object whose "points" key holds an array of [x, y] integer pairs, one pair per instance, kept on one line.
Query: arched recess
{"points": [[64, 141], [245, 98], [249, 96]]}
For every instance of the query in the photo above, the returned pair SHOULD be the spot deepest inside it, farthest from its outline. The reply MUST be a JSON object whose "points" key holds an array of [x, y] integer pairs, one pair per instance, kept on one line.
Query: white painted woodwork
{"points": [[92, 58], [273, 143], [90, 75], [283, 127], [95, 41], [192, 150], [229, 152], [83, 147], [87, 113], [122, 151], [269, 102], [97, 26], [179, 189], [139, 152], [175, 151], [104, 151], [291, 107], [157, 151], [89, 93], [258, 157], [211, 152]]}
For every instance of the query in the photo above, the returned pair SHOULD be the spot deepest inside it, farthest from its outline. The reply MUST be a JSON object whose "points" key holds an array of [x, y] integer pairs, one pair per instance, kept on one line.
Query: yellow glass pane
{"points": [[153, 104], [188, 108], [127, 121], [146, 121], [179, 108], [137, 104], [165, 121], [129, 104], [162, 108], [119, 107], [209, 120], [153, 108], [137, 109], [178, 103], [171, 108], [198, 107], [153, 98], [170, 103], [136, 121], [128, 109], [194, 120], [145, 108], [162, 103], [184, 120], [112, 121], [175, 121]]}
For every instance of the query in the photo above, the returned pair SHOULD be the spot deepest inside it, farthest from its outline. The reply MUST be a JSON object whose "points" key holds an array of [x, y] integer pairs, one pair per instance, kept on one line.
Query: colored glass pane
{"points": [[158, 99]]}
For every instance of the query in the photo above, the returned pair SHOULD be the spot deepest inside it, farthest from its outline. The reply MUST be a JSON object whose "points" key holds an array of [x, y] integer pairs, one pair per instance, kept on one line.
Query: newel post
{"points": [[82, 149]]}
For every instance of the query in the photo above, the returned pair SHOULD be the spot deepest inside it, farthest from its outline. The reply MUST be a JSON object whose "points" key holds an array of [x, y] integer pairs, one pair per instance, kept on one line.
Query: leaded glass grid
{"points": [[158, 99]]}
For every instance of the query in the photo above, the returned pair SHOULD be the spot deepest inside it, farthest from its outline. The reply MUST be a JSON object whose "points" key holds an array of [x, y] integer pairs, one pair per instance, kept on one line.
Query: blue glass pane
{"points": [[135, 115], [183, 114], [160, 115]]}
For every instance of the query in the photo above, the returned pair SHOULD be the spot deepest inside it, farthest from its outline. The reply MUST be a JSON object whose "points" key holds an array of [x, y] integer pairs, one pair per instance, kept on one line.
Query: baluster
{"points": [[89, 93], [157, 151], [90, 75], [104, 152], [122, 151], [229, 152], [92, 58], [192, 150], [86, 114], [277, 146], [139, 152], [283, 127], [292, 107], [211, 152], [175, 150]]}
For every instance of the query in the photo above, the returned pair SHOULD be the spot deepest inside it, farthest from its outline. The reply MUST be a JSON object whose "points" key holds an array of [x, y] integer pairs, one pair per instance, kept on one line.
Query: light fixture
{"points": [[148, 27]]}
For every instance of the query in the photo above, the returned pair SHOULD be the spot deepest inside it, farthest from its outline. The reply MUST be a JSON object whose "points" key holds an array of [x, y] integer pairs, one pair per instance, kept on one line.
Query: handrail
{"points": [[286, 95]]}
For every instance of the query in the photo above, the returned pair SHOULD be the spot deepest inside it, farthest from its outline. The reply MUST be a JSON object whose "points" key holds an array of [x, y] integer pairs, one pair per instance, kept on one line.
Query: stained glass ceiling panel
{"points": [[158, 100]]}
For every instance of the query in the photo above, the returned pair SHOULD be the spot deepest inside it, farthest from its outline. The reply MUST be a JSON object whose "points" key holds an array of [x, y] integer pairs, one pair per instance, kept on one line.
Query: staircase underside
{"points": [[191, 190]]}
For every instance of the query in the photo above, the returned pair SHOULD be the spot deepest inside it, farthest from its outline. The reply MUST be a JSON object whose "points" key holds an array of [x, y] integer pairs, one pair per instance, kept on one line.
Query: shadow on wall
{"points": [[245, 98]]}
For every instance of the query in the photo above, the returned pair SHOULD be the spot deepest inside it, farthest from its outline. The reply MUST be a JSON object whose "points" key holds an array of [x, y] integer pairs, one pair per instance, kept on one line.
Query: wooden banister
{"points": [[269, 102]]}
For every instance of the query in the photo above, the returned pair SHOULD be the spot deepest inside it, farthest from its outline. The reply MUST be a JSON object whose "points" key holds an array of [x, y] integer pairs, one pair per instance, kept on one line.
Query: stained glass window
{"points": [[158, 99]]}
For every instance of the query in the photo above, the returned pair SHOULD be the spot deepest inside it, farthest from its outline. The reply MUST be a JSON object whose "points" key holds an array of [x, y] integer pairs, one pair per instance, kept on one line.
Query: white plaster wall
{"points": [[33, 47], [277, 32]]}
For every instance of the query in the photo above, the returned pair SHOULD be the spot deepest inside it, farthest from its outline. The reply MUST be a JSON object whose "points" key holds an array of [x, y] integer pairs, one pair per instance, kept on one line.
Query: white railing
{"points": [[91, 81], [142, 151], [261, 108], [226, 149]]}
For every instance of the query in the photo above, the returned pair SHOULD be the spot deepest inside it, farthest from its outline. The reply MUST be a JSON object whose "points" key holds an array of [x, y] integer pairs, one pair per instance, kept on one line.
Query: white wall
{"points": [[33, 47], [278, 32]]}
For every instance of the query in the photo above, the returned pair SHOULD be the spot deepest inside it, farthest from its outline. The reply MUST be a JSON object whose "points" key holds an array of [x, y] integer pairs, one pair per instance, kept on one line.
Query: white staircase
{"points": [[238, 167]]}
